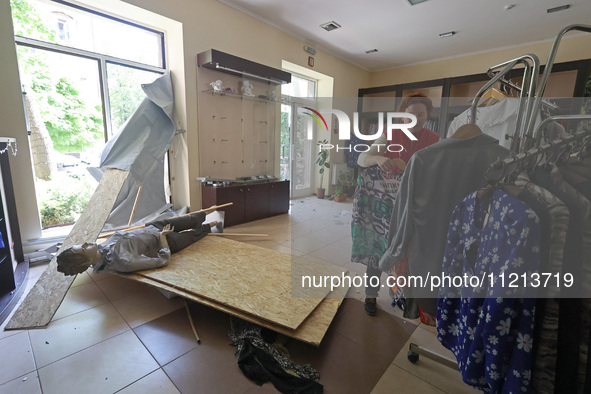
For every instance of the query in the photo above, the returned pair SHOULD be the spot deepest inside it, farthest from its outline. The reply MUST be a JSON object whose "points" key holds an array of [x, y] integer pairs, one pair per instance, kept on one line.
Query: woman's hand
{"points": [[389, 164]]}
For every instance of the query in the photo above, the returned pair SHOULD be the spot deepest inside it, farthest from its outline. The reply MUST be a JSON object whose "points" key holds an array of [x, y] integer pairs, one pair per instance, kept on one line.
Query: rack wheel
{"points": [[412, 356]]}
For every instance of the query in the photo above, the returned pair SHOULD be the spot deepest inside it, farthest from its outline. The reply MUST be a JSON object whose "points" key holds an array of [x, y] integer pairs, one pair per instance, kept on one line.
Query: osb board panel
{"points": [[45, 297], [246, 277], [311, 331]]}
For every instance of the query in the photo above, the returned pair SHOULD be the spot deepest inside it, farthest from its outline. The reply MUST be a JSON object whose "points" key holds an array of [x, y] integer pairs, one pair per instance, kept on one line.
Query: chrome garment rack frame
{"points": [[523, 136], [530, 78], [502, 165]]}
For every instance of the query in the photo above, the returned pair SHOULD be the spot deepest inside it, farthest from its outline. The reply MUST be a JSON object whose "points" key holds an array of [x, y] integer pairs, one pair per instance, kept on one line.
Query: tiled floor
{"points": [[114, 335]]}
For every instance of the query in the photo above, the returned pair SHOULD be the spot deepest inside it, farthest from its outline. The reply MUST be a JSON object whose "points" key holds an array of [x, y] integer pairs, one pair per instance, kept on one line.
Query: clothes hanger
{"points": [[466, 131], [491, 97]]}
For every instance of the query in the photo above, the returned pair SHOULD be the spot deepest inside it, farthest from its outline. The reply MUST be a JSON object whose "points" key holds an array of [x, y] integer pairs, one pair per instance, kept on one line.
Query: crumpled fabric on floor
{"points": [[261, 362]]}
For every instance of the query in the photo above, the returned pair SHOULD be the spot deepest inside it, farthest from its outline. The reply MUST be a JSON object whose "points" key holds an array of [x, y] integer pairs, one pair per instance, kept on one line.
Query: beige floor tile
{"points": [[327, 235], [8, 333], [79, 299], [145, 306], [28, 384], [444, 378], [116, 287], [397, 380], [433, 329], [97, 277], [334, 255], [305, 244], [71, 334], [81, 279], [102, 368], [20, 361], [37, 270], [345, 242], [155, 383]]}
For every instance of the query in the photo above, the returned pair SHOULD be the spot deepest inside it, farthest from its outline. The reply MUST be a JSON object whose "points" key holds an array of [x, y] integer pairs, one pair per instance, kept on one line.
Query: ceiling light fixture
{"points": [[415, 2], [556, 9], [330, 26], [447, 34], [371, 51]]}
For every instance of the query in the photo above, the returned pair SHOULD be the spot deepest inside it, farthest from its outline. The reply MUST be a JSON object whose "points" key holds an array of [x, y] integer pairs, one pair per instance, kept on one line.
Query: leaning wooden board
{"points": [[45, 297], [311, 331], [248, 278]]}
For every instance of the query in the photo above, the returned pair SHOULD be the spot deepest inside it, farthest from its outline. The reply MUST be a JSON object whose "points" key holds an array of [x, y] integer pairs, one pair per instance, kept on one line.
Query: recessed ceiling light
{"points": [[371, 51], [415, 2], [447, 34], [330, 26], [556, 9]]}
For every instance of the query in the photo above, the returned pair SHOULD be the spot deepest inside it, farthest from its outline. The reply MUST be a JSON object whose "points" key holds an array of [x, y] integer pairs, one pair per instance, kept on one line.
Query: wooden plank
{"points": [[45, 297], [311, 331], [255, 280]]}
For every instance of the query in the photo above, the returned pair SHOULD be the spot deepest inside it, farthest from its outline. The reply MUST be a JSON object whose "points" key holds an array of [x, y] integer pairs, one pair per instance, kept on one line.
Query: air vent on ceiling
{"points": [[330, 26], [556, 9], [415, 2]]}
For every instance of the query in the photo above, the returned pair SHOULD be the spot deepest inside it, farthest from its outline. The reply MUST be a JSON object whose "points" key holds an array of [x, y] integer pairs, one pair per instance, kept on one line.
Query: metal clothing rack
{"points": [[530, 78], [528, 132], [523, 138], [503, 165]]}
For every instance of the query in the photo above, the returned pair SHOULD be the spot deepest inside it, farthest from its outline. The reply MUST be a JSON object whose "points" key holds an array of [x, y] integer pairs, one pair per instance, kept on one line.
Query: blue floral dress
{"points": [[492, 338]]}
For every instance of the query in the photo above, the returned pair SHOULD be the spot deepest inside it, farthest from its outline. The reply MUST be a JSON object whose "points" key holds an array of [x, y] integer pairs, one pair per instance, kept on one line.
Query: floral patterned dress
{"points": [[490, 337]]}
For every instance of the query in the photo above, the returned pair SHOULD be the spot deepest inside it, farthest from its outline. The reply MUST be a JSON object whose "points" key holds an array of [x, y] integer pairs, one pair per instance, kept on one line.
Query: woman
{"points": [[377, 186]]}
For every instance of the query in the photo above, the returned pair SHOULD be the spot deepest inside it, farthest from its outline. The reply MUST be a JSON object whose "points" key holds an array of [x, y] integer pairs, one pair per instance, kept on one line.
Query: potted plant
{"points": [[347, 182], [322, 161], [339, 194]]}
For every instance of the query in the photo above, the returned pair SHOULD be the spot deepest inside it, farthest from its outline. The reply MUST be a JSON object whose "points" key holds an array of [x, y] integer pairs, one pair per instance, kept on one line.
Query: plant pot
{"points": [[320, 192], [349, 190], [341, 197]]}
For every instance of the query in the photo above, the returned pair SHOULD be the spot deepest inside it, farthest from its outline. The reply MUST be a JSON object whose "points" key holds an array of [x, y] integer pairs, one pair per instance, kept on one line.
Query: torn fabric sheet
{"points": [[144, 139], [139, 147]]}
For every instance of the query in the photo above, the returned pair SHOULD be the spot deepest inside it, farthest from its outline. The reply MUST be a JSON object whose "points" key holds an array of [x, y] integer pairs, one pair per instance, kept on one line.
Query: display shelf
{"points": [[240, 96]]}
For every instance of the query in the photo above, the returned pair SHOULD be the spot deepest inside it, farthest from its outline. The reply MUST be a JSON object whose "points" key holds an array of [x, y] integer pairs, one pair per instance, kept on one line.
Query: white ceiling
{"points": [[405, 34]]}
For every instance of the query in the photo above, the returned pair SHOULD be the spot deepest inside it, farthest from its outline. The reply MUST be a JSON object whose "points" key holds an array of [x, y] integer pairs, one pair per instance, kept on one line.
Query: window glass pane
{"points": [[67, 135], [125, 91], [68, 26], [299, 87]]}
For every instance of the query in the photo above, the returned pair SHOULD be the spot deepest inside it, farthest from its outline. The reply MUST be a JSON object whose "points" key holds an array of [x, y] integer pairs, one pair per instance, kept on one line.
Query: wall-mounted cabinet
{"points": [[238, 125], [237, 133]]}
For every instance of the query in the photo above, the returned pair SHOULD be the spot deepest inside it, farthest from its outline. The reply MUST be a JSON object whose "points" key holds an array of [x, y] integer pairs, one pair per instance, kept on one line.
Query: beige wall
{"points": [[571, 48]]}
